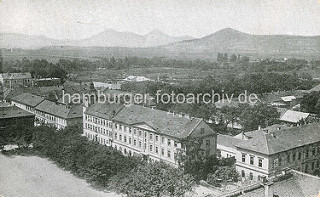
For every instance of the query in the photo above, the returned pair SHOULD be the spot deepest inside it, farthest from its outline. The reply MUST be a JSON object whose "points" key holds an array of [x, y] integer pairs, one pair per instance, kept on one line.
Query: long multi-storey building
{"points": [[268, 153], [138, 130], [59, 115]]}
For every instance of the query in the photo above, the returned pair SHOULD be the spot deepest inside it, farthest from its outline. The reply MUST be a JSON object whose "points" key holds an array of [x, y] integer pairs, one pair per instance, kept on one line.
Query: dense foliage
{"points": [[153, 179], [311, 103]]}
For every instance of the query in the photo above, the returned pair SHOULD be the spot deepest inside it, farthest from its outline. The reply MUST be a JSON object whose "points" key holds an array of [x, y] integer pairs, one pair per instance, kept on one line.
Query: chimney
{"points": [[268, 189], [259, 127]]}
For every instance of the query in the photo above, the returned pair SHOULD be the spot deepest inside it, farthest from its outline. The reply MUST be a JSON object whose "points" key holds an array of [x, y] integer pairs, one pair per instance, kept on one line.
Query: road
{"points": [[32, 176]]}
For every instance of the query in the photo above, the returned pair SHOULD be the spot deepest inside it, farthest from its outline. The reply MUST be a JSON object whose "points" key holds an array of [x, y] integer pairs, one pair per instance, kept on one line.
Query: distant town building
{"points": [[294, 117], [13, 80], [103, 86], [58, 115], [12, 115], [47, 82], [138, 130], [136, 78], [27, 101]]}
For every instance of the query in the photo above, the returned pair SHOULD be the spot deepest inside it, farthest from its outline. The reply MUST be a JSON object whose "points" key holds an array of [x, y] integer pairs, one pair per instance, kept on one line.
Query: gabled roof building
{"points": [[138, 130]]}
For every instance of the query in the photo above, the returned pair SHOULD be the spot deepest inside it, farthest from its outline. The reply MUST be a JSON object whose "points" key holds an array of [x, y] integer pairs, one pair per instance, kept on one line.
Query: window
{"points": [[169, 142], [135, 142], [279, 161], [151, 136], [252, 160], [288, 158], [150, 148], [293, 156], [243, 174], [307, 153], [140, 133], [157, 138], [157, 149], [260, 162], [129, 140], [125, 138], [313, 151], [115, 135], [162, 140], [202, 131], [140, 144], [243, 157], [175, 144], [251, 176], [207, 143], [169, 154], [299, 155], [162, 151], [120, 137]]}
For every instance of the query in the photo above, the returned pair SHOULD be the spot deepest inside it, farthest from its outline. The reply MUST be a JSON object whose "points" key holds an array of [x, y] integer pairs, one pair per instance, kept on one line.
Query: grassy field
{"points": [[34, 176]]}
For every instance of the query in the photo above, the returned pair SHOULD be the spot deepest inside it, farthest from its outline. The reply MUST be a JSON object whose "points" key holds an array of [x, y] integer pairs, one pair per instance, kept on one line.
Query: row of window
{"points": [[98, 121], [156, 150], [251, 160]]}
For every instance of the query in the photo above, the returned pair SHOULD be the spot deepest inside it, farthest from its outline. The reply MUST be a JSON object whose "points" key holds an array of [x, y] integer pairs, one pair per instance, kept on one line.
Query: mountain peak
{"points": [[228, 31]]}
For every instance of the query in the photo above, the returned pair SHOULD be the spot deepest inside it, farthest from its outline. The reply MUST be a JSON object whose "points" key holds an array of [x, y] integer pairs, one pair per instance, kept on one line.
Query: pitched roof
{"points": [[288, 98], [293, 116], [16, 75], [103, 110], [274, 142], [28, 99], [300, 184], [228, 141], [160, 121], [13, 112], [61, 111]]}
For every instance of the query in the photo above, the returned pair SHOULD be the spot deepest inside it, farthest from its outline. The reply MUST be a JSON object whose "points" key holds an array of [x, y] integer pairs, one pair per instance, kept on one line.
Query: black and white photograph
{"points": [[160, 98]]}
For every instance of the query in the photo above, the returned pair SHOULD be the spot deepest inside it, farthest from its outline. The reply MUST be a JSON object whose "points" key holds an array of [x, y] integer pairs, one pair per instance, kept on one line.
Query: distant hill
{"points": [[11, 40], [157, 44], [233, 41], [108, 38]]}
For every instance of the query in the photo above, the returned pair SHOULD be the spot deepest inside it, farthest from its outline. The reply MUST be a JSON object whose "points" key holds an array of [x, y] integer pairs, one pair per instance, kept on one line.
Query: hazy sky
{"points": [[74, 19]]}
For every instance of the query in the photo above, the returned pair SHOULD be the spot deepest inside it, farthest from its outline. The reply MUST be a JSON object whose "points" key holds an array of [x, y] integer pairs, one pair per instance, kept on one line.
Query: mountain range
{"points": [[107, 38], [158, 44]]}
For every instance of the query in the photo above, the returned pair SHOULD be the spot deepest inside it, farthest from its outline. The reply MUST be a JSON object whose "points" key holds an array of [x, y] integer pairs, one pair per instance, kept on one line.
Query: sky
{"points": [[78, 19]]}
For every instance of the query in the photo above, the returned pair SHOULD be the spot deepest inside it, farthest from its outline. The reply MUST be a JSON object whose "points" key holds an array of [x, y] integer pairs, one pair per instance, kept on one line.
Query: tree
{"points": [[153, 179], [233, 58]]}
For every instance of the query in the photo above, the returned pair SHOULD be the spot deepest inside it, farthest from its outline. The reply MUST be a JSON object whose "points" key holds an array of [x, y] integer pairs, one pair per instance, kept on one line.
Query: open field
{"points": [[34, 176]]}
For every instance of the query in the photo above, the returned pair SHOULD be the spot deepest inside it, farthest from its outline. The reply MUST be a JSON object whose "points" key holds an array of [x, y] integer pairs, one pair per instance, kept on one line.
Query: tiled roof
{"points": [[228, 141], [161, 121], [103, 110], [16, 75], [282, 140], [28, 99], [299, 185], [293, 116], [12, 112], [61, 111]]}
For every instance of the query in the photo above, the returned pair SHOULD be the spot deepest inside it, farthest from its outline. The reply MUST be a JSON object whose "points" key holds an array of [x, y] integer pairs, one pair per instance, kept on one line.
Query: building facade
{"points": [[267, 154], [13, 80], [136, 130]]}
